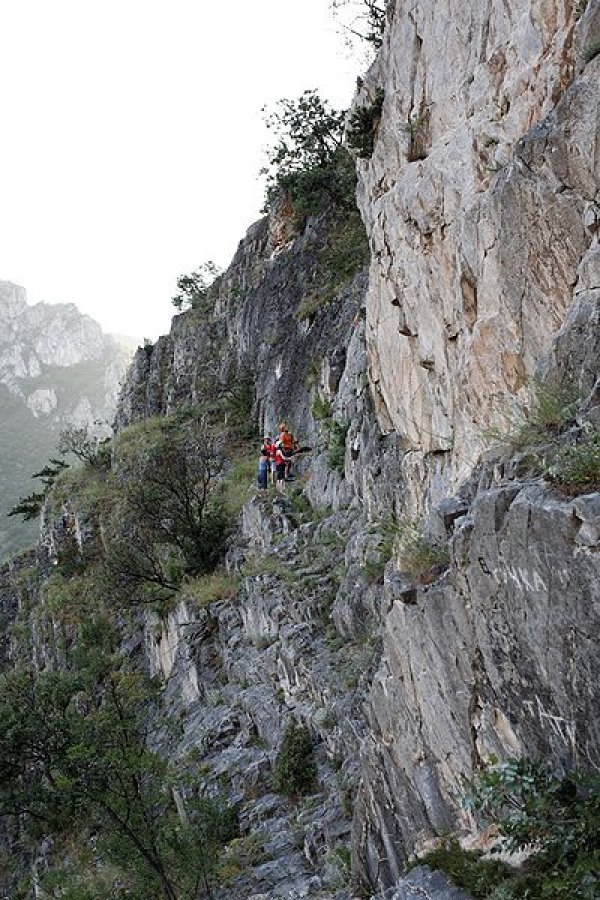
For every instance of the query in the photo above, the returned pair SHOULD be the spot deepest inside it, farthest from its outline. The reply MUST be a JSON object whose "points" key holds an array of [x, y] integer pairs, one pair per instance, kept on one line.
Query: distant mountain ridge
{"points": [[57, 368]]}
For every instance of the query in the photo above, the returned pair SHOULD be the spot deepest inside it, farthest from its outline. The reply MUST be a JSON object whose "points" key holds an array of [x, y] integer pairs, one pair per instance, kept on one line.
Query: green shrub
{"points": [[361, 20], [387, 531], [465, 868], [556, 818], [311, 191], [551, 411], [295, 772], [207, 589], [416, 131], [576, 466], [420, 557], [321, 409], [308, 306], [301, 506], [346, 253], [308, 162], [337, 445], [199, 289], [362, 126], [336, 433], [75, 761]]}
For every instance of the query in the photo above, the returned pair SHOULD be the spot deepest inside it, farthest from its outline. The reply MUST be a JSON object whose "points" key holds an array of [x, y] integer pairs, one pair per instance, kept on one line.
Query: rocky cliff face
{"points": [[57, 369], [481, 203]]}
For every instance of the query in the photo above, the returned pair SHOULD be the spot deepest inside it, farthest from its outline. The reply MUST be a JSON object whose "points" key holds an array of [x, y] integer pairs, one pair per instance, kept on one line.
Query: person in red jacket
{"points": [[280, 468], [268, 448], [288, 447]]}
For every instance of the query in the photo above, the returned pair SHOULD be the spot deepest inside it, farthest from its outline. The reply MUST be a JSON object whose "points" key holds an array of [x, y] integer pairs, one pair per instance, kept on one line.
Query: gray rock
{"points": [[422, 883]]}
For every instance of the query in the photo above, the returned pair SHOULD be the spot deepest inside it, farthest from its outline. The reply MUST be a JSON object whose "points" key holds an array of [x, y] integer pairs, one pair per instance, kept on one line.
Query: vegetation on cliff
{"points": [[554, 819], [76, 765]]}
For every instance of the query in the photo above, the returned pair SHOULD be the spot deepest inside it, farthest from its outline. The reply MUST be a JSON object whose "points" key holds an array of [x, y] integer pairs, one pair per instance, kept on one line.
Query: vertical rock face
{"points": [[479, 201], [481, 204]]}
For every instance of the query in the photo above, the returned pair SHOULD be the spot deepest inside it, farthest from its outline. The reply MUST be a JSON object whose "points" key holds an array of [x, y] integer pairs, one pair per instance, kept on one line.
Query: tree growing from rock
{"points": [[75, 760], [307, 160], [30, 507], [362, 20], [167, 519], [196, 289]]}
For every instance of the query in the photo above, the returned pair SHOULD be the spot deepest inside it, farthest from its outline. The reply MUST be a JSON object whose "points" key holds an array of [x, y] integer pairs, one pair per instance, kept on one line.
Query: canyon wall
{"points": [[480, 202]]}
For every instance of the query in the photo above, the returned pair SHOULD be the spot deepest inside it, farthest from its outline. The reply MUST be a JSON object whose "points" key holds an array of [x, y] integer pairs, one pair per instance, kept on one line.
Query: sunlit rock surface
{"points": [[481, 212]]}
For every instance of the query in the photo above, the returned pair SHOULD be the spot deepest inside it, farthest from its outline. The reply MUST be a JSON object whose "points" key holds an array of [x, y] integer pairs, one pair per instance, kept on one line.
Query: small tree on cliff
{"points": [[88, 447], [307, 161], [168, 519], [362, 20], [196, 289], [31, 506], [74, 759]]}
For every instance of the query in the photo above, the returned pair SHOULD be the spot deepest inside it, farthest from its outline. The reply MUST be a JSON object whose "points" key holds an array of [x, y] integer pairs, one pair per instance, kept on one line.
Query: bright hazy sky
{"points": [[132, 137]]}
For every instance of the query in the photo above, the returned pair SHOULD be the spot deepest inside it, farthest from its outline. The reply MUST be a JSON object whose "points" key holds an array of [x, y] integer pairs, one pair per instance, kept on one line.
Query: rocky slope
{"points": [[408, 678], [57, 369]]}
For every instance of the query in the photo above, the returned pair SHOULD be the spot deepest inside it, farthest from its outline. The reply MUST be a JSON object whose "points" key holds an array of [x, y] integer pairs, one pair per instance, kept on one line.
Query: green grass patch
{"points": [[550, 412], [269, 565], [576, 467], [387, 531], [466, 869], [236, 487], [207, 589], [420, 558]]}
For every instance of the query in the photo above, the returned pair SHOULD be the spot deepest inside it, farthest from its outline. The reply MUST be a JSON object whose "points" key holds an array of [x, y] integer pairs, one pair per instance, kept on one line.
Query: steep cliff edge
{"points": [[420, 603]]}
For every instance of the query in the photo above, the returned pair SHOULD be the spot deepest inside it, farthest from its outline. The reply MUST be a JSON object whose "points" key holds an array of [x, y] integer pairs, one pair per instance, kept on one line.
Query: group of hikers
{"points": [[275, 462]]}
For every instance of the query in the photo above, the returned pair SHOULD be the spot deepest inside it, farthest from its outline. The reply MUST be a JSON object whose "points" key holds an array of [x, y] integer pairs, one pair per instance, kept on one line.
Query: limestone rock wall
{"points": [[498, 657], [481, 204]]}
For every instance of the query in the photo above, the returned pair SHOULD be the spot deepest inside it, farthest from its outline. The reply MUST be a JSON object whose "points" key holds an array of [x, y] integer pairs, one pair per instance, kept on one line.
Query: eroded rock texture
{"points": [[481, 204]]}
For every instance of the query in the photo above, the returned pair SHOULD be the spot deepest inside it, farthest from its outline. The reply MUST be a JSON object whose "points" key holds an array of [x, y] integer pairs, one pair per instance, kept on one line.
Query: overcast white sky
{"points": [[132, 137]]}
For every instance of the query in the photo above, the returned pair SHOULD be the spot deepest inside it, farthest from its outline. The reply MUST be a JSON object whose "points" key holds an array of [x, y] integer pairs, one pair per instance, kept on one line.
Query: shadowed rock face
{"points": [[498, 658]]}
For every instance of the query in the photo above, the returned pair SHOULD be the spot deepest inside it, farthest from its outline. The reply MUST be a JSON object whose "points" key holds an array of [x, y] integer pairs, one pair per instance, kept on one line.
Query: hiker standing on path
{"points": [[264, 462], [288, 447], [280, 468]]}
